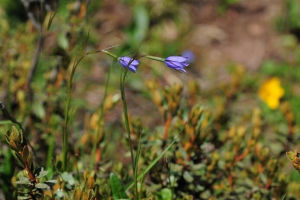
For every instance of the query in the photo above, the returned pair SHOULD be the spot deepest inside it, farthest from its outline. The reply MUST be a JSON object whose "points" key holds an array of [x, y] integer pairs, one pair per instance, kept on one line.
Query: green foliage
{"points": [[180, 140]]}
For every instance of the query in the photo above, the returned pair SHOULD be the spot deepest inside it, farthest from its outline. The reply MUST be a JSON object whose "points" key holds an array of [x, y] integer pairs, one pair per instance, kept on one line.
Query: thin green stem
{"points": [[109, 53], [125, 113], [136, 161], [101, 108], [67, 108], [155, 58]]}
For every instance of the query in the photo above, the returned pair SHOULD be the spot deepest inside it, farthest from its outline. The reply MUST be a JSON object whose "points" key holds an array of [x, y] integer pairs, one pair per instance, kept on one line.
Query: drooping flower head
{"points": [[189, 56], [177, 62], [131, 63]]}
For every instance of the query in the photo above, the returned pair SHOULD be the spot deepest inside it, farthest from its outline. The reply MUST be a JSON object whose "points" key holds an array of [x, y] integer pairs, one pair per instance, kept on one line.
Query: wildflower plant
{"points": [[131, 64]]}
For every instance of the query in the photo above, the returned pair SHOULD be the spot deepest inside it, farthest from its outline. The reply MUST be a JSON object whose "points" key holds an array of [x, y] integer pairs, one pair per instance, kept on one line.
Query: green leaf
{"points": [[295, 176], [188, 177], [283, 197], [50, 20], [117, 189], [63, 41], [50, 182], [39, 110], [6, 165], [6, 122], [23, 181], [42, 186], [165, 194], [62, 9], [42, 173], [68, 178], [23, 197]]}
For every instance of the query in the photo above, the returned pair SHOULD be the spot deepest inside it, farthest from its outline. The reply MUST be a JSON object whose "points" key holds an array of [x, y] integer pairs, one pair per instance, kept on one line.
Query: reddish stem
{"points": [[30, 174]]}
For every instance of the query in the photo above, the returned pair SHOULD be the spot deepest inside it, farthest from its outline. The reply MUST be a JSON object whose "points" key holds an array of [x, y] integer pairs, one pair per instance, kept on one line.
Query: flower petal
{"points": [[176, 64], [176, 59]]}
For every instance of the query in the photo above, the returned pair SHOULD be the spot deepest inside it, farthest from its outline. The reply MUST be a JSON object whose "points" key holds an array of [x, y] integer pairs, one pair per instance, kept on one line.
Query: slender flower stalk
{"points": [[129, 64], [110, 54], [68, 102], [100, 117], [126, 118], [155, 58], [67, 108], [134, 63]]}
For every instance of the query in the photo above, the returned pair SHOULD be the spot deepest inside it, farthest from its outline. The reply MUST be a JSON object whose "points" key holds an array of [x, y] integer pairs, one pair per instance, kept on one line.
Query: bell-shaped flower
{"points": [[177, 62], [129, 62]]}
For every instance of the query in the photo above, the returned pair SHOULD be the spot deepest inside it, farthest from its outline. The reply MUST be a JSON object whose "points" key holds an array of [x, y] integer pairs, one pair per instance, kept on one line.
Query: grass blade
{"points": [[141, 176]]}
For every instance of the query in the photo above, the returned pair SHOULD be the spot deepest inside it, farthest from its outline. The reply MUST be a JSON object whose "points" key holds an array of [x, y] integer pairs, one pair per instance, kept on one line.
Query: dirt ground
{"points": [[244, 35]]}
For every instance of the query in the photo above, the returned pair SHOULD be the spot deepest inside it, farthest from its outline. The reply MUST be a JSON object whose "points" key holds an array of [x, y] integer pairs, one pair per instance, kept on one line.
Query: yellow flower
{"points": [[271, 92]]}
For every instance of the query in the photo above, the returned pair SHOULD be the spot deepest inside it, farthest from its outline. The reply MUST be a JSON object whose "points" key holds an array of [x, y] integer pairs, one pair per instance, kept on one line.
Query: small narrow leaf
{"points": [[42, 173], [23, 197]]}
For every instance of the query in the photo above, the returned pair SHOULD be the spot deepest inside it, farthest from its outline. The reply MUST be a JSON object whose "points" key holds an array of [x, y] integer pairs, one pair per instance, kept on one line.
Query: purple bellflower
{"points": [[131, 63], [189, 55], [177, 62]]}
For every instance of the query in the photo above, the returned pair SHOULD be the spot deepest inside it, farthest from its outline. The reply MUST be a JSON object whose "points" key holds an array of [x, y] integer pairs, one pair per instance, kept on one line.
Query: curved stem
{"points": [[67, 108], [68, 101], [110, 54], [101, 108]]}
